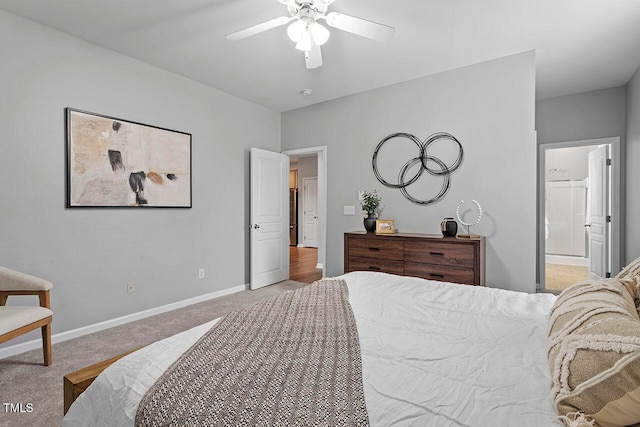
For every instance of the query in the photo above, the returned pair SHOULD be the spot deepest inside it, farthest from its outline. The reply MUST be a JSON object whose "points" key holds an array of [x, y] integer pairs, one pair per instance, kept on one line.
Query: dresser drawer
{"points": [[376, 248], [440, 273], [376, 264], [439, 253]]}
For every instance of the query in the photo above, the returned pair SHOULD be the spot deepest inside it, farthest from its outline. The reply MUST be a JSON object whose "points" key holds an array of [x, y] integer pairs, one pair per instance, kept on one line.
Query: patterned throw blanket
{"points": [[293, 360]]}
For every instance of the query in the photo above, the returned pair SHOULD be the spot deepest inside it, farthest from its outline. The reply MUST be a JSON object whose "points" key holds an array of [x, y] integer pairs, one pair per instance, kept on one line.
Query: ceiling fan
{"points": [[309, 34]]}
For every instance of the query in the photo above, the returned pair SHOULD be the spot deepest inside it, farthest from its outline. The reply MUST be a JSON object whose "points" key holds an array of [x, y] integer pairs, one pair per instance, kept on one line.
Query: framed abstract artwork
{"points": [[119, 163]]}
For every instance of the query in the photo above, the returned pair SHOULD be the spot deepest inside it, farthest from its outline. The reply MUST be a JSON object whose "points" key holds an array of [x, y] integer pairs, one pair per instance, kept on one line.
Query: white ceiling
{"points": [[581, 45]]}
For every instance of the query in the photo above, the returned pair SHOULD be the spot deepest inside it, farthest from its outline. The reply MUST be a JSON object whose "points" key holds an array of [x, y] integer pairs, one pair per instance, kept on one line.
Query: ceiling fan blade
{"points": [[313, 58], [248, 32], [361, 27]]}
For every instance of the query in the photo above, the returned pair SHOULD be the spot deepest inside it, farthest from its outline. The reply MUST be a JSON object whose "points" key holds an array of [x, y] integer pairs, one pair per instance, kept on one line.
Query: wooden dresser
{"points": [[448, 259]]}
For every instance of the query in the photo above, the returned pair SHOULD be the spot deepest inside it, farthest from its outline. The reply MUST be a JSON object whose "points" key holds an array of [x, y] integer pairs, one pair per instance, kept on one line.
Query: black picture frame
{"points": [[113, 162]]}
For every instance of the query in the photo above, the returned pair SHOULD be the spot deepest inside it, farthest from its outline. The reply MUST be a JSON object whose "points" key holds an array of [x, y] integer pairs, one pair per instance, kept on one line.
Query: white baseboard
{"points": [[567, 260], [96, 327], [302, 245]]}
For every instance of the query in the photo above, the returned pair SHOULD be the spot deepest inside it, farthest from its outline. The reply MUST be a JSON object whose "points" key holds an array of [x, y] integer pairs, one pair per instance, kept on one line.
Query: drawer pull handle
{"points": [[439, 276], [436, 253], [374, 268], [374, 249]]}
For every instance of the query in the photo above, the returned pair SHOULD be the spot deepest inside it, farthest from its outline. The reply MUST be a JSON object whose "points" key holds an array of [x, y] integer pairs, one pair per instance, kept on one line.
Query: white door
{"points": [[310, 209], [269, 218], [597, 212]]}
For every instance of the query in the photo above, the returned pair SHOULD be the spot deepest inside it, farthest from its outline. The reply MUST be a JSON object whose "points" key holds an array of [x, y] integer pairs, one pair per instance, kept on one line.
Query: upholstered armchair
{"points": [[16, 320]]}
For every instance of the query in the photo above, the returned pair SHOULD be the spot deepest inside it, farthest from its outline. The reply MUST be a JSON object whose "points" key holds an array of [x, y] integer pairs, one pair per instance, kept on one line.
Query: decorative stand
{"points": [[469, 224]]}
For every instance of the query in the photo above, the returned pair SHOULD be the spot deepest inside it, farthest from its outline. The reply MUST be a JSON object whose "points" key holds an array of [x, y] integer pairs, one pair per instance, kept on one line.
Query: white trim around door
{"points": [[617, 228], [321, 152]]}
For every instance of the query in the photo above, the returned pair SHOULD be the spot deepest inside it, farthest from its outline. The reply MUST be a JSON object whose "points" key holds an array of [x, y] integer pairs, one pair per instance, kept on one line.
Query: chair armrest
{"points": [[43, 296], [11, 280]]}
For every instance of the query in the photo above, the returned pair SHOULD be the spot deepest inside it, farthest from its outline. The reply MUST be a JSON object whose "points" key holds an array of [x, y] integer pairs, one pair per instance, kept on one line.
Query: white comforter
{"points": [[433, 354]]}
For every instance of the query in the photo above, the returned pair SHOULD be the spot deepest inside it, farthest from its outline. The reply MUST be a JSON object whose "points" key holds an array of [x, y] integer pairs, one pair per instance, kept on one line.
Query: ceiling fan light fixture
{"points": [[304, 43], [319, 33], [295, 30], [308, 35], [301, 32]]}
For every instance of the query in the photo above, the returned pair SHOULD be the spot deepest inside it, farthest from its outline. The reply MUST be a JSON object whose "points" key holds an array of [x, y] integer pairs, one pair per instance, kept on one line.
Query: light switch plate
{"points": [[349, 210]]}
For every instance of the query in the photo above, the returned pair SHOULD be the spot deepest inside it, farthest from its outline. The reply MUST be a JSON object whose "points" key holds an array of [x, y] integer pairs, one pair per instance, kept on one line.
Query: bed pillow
{"points": [[631, 276], [630, 271], [594, 353]]}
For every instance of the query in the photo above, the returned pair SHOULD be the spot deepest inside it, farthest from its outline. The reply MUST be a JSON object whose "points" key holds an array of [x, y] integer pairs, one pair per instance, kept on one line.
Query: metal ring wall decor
{"points": [[423, 159]]}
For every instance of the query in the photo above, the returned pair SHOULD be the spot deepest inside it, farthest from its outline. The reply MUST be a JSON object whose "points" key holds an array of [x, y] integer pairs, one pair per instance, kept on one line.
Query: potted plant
{"points": [[370, 202]]}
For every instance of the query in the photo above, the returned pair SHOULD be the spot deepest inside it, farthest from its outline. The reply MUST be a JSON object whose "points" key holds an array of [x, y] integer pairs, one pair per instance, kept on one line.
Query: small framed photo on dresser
{"points": [[385, 226]]}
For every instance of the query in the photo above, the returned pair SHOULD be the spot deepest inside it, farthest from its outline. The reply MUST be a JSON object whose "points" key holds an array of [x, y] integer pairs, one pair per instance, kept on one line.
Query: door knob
{"points": [[256, 226]]}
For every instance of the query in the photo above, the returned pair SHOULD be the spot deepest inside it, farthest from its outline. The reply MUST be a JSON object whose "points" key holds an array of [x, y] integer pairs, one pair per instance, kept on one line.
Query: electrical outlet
{"points": [[131, 287], [201, 273]]}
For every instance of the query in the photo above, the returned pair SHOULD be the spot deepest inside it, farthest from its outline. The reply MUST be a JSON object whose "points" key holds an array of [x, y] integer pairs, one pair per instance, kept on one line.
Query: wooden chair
{"points": [[18, 320]]}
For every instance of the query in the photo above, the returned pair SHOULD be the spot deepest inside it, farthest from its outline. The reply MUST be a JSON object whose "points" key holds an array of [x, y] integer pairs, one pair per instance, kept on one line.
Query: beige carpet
{"points": [[24, 380]]}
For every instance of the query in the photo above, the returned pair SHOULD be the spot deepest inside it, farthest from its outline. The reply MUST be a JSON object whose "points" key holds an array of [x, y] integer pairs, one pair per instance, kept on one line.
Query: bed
{"points": [[432, 354]]}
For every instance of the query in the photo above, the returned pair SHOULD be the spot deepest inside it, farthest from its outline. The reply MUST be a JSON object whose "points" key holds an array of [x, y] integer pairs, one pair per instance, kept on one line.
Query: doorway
{"points": [[308, 216], [578, 211]]}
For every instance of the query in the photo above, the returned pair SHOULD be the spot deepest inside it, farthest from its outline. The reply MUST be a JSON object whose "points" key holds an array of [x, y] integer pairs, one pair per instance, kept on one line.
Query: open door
{"points": [[310, 212], [598, 212], [269, 218]]}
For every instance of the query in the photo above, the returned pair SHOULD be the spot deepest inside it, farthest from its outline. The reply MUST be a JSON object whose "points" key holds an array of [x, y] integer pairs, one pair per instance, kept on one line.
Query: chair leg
{"points": [[46, 343]]}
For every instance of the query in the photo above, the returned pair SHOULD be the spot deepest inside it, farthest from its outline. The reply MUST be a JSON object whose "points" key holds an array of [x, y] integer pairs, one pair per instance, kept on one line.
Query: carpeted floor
{"points": [[23, 378]]}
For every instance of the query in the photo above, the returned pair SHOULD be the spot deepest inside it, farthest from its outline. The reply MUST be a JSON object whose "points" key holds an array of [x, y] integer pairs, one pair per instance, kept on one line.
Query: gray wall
{"points": [[489, 107], [633, 172], [589, 115], [90, 254]]}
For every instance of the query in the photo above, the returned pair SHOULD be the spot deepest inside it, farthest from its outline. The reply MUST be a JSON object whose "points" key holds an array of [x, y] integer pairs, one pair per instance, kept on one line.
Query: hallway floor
{"points": [[559, 276], [302, 264]]}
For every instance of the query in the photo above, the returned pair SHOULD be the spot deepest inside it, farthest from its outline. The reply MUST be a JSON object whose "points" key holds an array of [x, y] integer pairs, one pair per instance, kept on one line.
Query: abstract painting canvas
{"points": [[119, 163]]}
